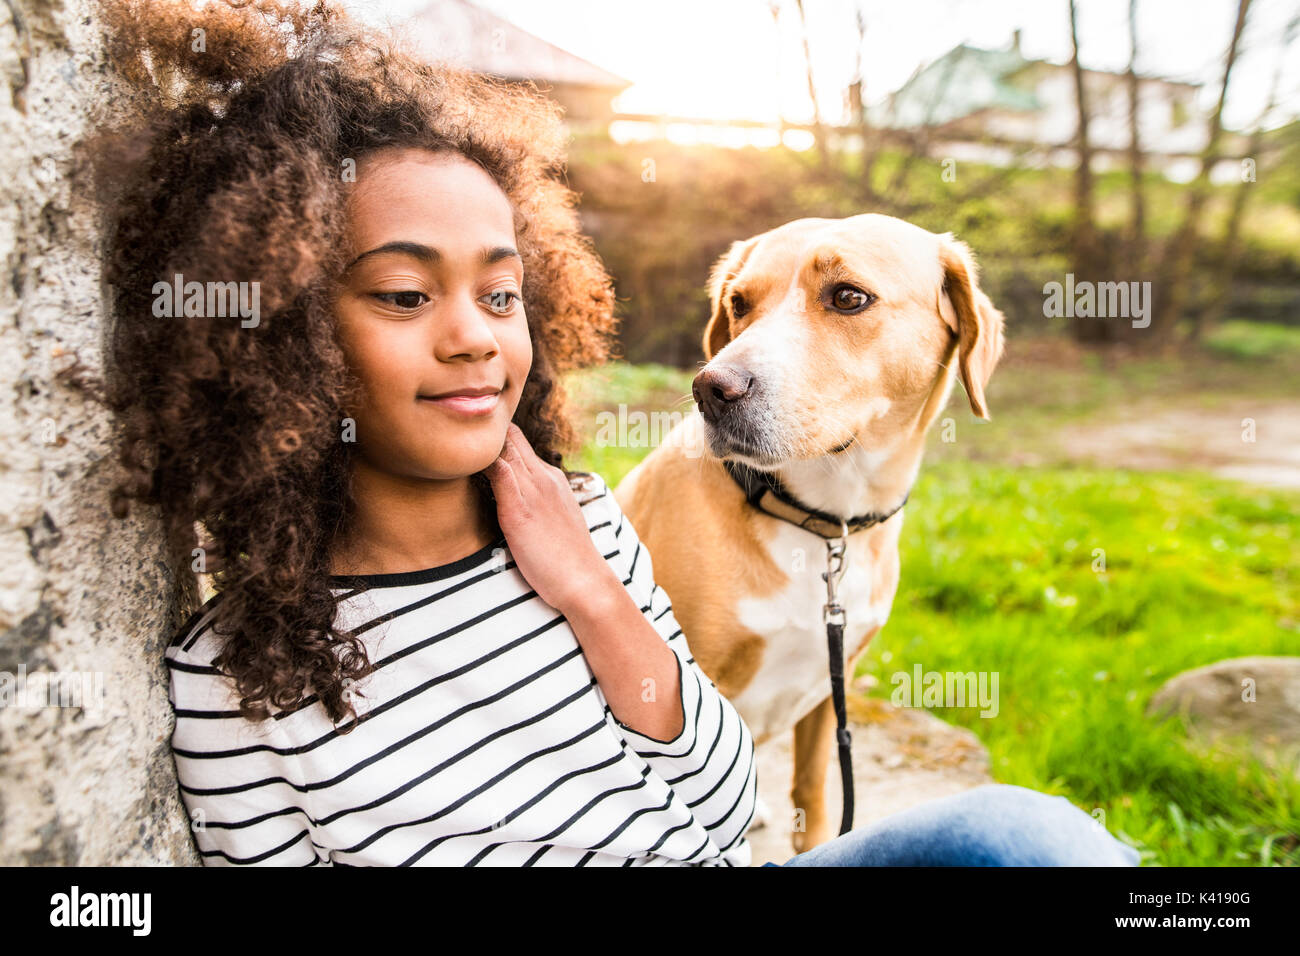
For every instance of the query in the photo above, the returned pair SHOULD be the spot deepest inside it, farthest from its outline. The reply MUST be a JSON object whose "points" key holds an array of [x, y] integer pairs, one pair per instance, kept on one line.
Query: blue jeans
{"points": [[995, 824]]}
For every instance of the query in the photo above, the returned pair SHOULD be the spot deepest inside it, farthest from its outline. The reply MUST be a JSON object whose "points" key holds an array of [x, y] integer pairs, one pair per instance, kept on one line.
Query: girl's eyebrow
{"points": [[429, 254]]}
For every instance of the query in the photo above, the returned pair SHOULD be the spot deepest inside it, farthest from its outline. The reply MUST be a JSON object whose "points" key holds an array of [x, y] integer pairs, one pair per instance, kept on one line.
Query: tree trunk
{"points": [[774, 7], [870, 149], [823, 146], [1085, 231], [1230, 256], [1137, 225], [1177, 272]]}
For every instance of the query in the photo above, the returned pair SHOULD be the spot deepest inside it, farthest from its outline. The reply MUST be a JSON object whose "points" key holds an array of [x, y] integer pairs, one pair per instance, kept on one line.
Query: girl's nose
{"points": [[464, 330]]}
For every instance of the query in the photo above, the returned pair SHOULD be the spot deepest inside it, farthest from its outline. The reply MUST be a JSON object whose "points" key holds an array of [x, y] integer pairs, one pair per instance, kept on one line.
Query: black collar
{"points": [[781, 504]]}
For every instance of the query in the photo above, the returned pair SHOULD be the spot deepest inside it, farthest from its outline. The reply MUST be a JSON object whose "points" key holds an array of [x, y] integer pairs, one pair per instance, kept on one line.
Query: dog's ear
{"points": [[718, 332], [972, 318]]}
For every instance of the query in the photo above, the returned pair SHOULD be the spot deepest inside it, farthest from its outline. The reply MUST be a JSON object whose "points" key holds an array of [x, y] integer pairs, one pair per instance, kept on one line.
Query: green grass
{"points": [[1256, 340], [1002, 571], [641, 388]]}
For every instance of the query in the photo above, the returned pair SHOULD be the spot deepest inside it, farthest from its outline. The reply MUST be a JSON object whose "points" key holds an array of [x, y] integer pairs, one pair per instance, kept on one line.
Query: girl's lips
{"points": [[466, 404]]}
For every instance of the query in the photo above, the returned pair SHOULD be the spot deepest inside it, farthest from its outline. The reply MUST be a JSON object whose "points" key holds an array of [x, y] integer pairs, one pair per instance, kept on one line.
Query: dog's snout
{"points": [[718, 389]]}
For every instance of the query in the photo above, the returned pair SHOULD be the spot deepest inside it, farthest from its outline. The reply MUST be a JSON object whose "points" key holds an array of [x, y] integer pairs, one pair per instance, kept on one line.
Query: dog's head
{"points": [[829, 331]]}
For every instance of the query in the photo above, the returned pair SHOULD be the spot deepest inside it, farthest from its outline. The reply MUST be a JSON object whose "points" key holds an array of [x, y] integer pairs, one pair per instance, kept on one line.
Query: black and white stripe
{"points": [[482, 738]]}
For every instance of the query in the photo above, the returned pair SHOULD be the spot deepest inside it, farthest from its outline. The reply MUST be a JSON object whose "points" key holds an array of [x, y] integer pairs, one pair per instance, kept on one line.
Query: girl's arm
{"points": [[664, 707], [638, 673], [710, 763]]}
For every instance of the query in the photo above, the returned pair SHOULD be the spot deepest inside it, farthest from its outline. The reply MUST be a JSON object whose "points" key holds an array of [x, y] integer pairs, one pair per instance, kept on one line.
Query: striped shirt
{"points": [[481, 738]]}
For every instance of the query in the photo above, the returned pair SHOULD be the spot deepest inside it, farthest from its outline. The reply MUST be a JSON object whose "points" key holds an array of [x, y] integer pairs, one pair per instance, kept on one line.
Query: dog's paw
{"points": [[762, 814]]}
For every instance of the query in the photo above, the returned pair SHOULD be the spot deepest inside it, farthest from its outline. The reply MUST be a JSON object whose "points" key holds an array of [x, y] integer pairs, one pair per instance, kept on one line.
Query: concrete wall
{"points": [[83, 596]]}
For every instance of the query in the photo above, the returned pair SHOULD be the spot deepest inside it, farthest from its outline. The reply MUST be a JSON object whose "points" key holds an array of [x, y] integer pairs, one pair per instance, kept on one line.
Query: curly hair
{"points": [[238, 173]]}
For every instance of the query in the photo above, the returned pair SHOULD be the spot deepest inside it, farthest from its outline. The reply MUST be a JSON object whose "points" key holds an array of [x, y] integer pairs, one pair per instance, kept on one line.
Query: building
{"points": [[460, 32], [999, 107]]}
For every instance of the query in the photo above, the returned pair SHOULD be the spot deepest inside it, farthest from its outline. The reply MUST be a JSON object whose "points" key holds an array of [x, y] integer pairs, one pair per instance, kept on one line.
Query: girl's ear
{"points": [[718, 332]]}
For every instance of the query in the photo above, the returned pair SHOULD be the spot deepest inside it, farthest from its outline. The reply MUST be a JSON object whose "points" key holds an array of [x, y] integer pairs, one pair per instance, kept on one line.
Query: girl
{"points": [[430, 643]]}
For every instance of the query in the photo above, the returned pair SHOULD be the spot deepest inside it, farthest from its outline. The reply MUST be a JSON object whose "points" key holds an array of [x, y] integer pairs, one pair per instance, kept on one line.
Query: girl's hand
{"points": [[544, 526]]}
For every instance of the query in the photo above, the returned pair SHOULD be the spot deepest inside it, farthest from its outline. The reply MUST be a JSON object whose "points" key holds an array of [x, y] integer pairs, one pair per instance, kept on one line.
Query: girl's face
{"points": [[432, 303]]}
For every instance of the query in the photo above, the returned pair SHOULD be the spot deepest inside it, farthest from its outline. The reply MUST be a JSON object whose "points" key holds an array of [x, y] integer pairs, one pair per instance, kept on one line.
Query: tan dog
{"points": [[831, 351]]}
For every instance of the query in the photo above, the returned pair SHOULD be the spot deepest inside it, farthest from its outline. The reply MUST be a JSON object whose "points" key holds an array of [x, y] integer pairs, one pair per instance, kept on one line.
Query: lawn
{"points": [[1002, 571], [1085, 590]]}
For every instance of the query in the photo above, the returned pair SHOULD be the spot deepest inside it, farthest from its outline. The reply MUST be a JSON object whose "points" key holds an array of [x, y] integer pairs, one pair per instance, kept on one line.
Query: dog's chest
{"points": [[794, 673]]}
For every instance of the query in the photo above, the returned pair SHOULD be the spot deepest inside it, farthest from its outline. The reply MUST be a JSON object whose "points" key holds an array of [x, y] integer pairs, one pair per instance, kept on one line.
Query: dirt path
{"points": [[901, 757], [1254, 441]]}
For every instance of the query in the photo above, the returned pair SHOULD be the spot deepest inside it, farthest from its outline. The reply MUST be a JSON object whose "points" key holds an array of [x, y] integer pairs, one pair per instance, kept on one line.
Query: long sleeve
{"points": [[711, 762], [241, 785], [486, 740]]}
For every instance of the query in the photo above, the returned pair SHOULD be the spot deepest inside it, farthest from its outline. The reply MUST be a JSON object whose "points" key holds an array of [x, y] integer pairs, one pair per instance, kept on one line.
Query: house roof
{"points": [[1144, 77], [963, 81], [460, 32], [967, 80]]}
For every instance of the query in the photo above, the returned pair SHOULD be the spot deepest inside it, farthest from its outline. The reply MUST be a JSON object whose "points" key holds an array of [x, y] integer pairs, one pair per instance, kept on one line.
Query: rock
{"points": [[901, 757], [1247, 703], [83, 596]]}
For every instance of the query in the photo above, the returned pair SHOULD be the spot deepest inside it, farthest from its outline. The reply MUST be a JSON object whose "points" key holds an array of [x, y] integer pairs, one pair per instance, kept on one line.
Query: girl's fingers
{"points": [[539, 470], [505, 486], [528, 459], [513, 454]]}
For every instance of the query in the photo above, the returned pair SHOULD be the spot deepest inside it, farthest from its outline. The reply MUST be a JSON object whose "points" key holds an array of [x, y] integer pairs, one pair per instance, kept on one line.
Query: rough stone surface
{"points": [[83, 596], [901, 757], [1249, 703]]}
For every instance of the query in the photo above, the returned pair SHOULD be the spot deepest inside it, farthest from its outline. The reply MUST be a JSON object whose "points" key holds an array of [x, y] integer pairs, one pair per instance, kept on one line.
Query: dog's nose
{"points": [[718, 389]]}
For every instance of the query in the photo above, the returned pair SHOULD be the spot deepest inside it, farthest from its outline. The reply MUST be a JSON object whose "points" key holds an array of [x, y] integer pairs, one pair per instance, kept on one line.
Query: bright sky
{"points": [[728, 59]]}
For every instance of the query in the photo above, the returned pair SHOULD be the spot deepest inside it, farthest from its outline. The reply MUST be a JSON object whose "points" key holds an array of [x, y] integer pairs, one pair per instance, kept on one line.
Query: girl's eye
{"points": [[406, 301], [850, 300], [502, 300]]}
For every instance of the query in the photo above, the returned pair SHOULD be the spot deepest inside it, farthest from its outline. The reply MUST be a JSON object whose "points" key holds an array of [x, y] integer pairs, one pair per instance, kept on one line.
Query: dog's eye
{"points": [[738, 305], [850, 300]]}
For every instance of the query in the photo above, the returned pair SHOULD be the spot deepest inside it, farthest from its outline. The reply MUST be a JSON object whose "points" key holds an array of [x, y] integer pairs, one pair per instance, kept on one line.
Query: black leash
{"points": [[766, 493], [835, 564]]}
